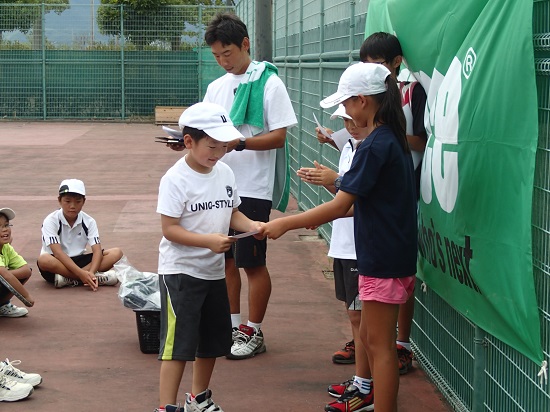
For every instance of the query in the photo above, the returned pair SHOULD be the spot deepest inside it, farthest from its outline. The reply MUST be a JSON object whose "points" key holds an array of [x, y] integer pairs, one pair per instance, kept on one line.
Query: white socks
{"points": [[363, 384], [254, 325], [235, 320]]}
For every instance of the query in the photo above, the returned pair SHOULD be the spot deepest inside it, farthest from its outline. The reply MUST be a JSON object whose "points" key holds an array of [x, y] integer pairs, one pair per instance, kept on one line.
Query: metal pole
{"points": [[263, 24], [92, 12], [43, 46], [479, 370], [201, 45], [122, 73]]}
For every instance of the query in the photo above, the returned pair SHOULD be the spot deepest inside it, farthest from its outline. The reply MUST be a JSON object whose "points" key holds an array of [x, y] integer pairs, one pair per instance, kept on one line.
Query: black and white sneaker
{"points": [[249, 342]]}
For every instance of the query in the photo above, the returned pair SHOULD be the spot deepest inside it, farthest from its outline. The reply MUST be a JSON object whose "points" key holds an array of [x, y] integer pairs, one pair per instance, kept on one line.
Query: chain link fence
{"points": [[313, 42], [101, 61]]}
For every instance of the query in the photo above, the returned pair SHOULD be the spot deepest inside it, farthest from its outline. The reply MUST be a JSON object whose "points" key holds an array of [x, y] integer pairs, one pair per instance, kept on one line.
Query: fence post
{"points": [[200, 44], [122, 73], [351, 29], [43, 47], [263, 27], [321, 81], [479, 370], [300, 89]]}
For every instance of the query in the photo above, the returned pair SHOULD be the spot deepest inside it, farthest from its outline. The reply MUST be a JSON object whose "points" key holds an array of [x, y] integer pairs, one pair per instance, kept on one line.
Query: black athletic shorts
{"points": [[194, 318], [250, 252], [346, 282], [80, 260]]}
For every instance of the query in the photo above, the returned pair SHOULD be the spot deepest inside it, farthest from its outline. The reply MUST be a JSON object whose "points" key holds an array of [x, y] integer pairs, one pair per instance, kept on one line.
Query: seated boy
{"points": [[66, 232], [198, 202], [13, 269]]}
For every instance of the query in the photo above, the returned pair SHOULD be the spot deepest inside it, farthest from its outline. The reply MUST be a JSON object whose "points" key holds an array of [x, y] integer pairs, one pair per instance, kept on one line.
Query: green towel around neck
{"points": [[248, 108]]}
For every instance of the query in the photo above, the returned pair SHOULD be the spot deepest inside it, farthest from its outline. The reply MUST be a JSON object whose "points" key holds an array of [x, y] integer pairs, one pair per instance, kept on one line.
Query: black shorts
{"points": [[250, 252], [346, 282], [194, 318], [80, 260]]}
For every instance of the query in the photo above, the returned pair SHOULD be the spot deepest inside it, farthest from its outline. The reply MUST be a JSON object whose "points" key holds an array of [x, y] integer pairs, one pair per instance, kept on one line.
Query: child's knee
{"points": [[117, 254], [45, 262]]}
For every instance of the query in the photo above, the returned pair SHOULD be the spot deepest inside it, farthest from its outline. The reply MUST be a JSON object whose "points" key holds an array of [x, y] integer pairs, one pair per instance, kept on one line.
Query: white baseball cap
{"points": [[72, 186], [10, 214], [340, 112], [361, 78], [212, 119]]}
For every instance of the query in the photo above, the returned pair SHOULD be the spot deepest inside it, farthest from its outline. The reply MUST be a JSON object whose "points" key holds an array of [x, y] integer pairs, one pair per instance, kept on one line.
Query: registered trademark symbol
{"points": [[469, 63]]}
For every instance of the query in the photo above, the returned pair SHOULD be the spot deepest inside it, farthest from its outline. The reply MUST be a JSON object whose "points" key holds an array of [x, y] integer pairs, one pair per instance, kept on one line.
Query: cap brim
{"points": [[10, 214], [340, 112], [333, 100], [223, 133]]}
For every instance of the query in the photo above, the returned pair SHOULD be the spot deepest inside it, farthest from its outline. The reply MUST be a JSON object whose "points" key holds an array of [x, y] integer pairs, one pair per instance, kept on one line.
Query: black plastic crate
{"points": [[148, 327]]}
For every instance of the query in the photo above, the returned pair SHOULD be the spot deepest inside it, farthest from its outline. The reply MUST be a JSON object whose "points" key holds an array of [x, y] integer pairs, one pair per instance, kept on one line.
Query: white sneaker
{"points": [[249, 343], [201, 403], [9, 310], [11, 390], [234, 334], [107, 278], [62, 281], [7, 368]]}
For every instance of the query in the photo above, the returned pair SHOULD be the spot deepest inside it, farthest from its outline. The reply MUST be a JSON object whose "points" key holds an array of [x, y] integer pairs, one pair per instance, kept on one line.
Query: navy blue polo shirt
{"points": [[382, 178]]}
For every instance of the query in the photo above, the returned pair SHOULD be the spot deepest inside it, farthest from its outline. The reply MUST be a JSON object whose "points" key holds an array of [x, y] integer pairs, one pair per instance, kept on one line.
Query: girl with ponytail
{"points": [[379, 190]]}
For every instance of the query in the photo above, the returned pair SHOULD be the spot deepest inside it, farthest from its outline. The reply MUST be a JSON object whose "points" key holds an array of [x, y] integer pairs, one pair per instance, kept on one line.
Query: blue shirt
{"points": [[382, 178]]}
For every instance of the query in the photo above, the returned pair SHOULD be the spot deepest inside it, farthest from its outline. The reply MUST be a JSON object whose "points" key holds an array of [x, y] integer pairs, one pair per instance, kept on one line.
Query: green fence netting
{"points": [[313, 42], [101, 62]]}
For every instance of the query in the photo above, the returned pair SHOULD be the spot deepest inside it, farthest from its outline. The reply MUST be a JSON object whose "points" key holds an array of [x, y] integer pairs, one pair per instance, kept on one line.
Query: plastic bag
{"points": [[138, 290]]}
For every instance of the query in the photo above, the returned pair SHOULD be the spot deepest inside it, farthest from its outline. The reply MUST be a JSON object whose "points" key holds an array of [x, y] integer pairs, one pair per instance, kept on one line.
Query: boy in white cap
{"points": [[66, 233], [198, 203], [14, 270]]}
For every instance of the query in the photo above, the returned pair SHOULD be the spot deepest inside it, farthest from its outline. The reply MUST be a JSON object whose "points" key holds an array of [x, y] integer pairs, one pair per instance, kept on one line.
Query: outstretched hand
{"points": [[274, 229], [318, 175]]}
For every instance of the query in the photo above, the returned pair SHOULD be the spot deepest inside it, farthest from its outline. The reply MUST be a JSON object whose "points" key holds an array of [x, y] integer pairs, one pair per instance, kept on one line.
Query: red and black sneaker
{"points": [[352, 401], [338, 389], [345, 355], [405, 358]]}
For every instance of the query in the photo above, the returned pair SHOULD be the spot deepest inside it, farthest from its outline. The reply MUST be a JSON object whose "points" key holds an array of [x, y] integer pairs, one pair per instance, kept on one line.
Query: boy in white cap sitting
{"points": [[14, 270], [198, 203], [66, 233]]}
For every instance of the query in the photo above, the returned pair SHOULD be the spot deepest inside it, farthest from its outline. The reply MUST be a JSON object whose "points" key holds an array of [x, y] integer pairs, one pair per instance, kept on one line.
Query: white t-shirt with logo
{"points": [[342, 240], [73, 240], [254, 169], [204, 204]]}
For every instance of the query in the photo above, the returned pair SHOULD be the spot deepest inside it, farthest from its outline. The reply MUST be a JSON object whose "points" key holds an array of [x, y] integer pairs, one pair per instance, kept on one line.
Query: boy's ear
{"points": [[397, 62], [188, 141]]}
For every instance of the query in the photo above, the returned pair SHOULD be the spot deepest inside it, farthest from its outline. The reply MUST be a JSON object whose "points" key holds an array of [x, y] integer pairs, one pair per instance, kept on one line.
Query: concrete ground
{"points": [[85, 344]]}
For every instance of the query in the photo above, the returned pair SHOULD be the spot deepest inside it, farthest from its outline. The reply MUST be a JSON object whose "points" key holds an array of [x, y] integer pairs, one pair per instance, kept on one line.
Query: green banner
{"points": [[475, 59]]}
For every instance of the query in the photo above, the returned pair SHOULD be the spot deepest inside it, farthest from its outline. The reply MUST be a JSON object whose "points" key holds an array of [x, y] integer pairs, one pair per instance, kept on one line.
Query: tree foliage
{"points": [[146, 22], [24, 15]]}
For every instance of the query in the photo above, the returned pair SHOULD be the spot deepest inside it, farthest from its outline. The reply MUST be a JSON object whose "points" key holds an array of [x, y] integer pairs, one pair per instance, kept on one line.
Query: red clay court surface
{"points": [[85, 344]]}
